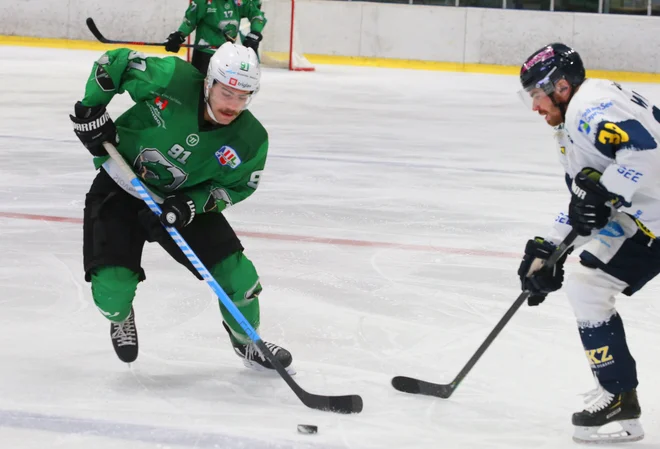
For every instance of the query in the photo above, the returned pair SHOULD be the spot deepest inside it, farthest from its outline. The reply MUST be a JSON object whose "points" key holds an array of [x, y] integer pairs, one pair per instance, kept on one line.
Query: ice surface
{"points": [[387, 232]]}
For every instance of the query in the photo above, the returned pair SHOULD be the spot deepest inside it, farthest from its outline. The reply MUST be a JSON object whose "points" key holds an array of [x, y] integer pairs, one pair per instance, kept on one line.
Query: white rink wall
{"points": [[430, 33], [120, 19], [465, 35]]}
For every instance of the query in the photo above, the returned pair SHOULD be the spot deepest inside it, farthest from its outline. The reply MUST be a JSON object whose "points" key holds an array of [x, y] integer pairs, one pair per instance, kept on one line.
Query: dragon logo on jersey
{"points": [[227, 156], [160, 103], [152, 166]]}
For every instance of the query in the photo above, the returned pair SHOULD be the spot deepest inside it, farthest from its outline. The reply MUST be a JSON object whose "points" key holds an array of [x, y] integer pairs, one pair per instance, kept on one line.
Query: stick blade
{"points": [[406, 384], [416, 386], [347, 404], [95, 31]]}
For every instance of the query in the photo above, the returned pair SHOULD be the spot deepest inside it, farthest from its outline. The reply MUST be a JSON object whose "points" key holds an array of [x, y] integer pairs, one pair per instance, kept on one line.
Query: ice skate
{"points": [[253, 359], [124, 338], [619, 412]]}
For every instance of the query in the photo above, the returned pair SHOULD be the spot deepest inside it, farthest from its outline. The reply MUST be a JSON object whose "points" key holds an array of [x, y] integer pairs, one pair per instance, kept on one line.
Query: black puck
{"points": [[307, 428]]}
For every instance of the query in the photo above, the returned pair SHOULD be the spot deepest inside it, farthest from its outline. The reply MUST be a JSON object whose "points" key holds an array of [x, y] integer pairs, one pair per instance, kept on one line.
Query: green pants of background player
{"points": [[117, 225]]}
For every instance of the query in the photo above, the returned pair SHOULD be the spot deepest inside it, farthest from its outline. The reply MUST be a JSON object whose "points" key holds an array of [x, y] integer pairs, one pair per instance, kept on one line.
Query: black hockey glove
{"points": [[252, 40], [93, 126], [155, 232], [174, 41], [178, 211], [590, 202], [542, 280]]}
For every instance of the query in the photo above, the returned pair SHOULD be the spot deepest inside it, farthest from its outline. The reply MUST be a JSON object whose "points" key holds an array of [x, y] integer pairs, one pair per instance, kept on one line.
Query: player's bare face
{"points": [[544, 105], [226, 103]]}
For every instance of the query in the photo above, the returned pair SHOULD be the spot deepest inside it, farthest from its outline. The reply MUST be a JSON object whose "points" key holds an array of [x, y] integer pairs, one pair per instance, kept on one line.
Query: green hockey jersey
{"points": [[218, 21], [165, 138]]}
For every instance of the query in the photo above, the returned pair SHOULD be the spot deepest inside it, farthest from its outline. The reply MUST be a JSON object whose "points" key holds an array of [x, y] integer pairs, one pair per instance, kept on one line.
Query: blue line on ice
{"points": [[139, 432]]}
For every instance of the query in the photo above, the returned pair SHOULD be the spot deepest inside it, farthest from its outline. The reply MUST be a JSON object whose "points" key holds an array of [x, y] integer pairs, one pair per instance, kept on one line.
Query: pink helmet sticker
{"points": [[540, 57]]}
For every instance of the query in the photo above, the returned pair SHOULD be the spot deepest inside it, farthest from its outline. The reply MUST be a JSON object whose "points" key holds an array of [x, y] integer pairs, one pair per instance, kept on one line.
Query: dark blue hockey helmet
{"points": [[550, 64]]}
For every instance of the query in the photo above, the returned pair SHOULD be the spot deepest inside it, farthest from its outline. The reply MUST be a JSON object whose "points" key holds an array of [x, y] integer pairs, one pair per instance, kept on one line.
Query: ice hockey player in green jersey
{"points": [[216, 22], [193, 143]]}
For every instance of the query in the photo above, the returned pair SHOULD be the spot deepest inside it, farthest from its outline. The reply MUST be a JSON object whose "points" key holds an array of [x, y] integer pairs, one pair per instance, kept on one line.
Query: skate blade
{"points": [[631, 430], [256, 367]]}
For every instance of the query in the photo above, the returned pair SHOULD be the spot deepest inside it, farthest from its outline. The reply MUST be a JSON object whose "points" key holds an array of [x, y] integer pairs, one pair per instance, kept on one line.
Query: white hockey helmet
{"points": [[235, 66]]}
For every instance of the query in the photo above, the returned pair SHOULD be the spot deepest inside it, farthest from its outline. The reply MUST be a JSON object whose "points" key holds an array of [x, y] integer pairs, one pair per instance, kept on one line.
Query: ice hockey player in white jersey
{"points": [[609, 138]]}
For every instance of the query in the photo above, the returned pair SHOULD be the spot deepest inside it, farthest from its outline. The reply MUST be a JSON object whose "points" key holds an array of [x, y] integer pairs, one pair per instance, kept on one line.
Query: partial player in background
{"points": [[217, 22], [608, 138], [192, 141]]}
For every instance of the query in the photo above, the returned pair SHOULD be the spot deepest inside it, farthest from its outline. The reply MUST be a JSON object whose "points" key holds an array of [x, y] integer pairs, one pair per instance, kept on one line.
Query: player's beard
{"points": [[554, 116]]}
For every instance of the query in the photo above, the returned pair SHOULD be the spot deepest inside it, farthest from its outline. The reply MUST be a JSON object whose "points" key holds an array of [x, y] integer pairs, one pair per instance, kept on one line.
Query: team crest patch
{"points": [[160, 103], [227, 156]]}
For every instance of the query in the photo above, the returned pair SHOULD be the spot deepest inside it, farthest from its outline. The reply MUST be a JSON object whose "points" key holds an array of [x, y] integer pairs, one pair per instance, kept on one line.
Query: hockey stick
{"points": [[337, 404], [416, 386], [97, 34]]}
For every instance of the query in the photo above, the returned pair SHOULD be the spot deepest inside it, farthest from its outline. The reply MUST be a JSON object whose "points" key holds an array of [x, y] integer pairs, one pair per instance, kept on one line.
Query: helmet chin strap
{"points": [[207, 100], [563, 106], [210, 112]]}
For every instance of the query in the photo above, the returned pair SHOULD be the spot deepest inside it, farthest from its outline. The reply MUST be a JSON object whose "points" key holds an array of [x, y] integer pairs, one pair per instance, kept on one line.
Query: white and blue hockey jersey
{"points": [[617, 132]]}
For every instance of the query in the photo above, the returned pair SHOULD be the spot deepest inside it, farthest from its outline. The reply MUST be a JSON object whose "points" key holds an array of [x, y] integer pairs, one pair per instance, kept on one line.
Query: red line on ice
{"points": [[306, 239], [40, 217]]}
